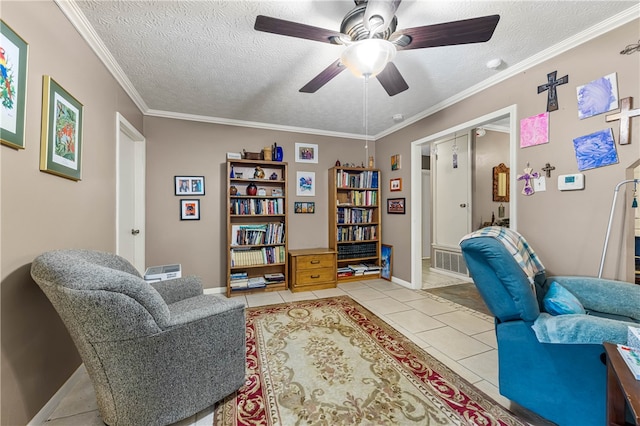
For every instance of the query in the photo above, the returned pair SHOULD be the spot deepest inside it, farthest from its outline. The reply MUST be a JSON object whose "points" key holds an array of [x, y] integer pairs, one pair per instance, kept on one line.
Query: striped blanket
{"points": [[516, 245]]}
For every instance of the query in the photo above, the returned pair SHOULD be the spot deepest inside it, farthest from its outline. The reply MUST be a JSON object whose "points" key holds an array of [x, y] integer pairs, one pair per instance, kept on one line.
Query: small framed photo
{"points": [[306, 184], [61, 142], [395, 162], [304, 207], [306, 153], [190, 209], [386, 261], [395, 184], [13, 87], [189, 185], [395, 205]]}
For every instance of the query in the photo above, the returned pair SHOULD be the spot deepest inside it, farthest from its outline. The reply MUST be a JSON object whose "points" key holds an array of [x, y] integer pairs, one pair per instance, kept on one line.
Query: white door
{"points": [[130, 203], [426, 213], [452, 209]]}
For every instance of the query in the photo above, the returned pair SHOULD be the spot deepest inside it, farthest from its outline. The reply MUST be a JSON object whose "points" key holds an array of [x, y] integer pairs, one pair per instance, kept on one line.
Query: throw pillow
{"points": [[559, 301]]}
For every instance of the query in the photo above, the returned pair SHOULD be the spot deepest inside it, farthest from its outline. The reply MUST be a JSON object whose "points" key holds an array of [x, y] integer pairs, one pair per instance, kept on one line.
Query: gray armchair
{"points": [[156, 353]]}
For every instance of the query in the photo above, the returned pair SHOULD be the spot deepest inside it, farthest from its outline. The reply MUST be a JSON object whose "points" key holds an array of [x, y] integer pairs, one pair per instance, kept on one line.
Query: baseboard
{"points": [[215, 290], [403, 283], [48, 409]]}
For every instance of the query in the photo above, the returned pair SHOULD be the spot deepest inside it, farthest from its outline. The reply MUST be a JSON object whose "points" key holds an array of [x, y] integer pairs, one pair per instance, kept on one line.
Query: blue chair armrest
{"points": [[580, 329], [602, 295]]}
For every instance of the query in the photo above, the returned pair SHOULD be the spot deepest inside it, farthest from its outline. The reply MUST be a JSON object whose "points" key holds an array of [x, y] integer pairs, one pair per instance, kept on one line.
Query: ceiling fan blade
{"points": [[385, 9], [474, 30], [294, 29], [324, 77], [392, 80]]}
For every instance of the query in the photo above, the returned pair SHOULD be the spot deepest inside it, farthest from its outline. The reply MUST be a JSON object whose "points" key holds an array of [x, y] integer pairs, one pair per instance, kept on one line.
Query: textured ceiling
{"points": [[203, 59]]}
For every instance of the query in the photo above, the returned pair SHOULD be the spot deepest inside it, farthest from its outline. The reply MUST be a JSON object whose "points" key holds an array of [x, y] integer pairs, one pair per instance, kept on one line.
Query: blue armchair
{"points": [[552, 365]]}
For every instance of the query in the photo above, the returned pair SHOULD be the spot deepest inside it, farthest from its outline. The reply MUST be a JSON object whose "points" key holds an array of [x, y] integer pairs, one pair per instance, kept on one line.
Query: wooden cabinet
{"points": [[312, 269], [256, 226], [354, 222]]}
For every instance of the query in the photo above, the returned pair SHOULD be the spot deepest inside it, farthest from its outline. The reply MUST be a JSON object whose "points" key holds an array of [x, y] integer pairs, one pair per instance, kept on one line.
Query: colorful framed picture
{"points": [[306, 153], [306, 184], [189, 185], [395, 205], [14, 53], [395, 184], [61, 142], [386, 261], [190, 209], [395, 162], [304, 207]]}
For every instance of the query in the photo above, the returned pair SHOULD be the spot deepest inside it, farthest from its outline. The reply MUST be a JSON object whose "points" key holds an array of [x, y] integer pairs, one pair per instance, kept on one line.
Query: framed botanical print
{"points": [[14, 52], [61, 142]]}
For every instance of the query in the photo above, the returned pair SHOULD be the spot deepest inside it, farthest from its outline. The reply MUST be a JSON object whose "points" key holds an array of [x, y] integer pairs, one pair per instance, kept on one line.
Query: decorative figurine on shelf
{"points": [[338, 163], [277, 155], [252, 189], [371, 161], [233, 190], [232, 175], [259, 173], [274, 176]]}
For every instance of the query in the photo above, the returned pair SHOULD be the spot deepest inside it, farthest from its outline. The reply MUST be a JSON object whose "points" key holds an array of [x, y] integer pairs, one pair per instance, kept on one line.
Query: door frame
{"points": [[416, 176], [123, 126]]}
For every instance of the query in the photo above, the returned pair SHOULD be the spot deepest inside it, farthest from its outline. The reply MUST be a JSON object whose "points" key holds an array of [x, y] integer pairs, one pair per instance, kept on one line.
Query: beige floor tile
{"points": [[464, 372], [414, 321], [329, 292], [364, 294], [385, 306], [488, 338], [484, 365], [261, 299], [431, 307], [406, 295], [287, 296], [454, 343], [80, 399], [465, 322], [352, 285], [382, 285], [92, 418]]}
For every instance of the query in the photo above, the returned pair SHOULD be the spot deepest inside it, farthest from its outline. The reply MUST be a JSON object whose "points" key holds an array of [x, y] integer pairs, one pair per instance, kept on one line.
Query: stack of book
{"points": [[345, 272], [632, 357], [238, 280], [257, 282], [371, 269]]}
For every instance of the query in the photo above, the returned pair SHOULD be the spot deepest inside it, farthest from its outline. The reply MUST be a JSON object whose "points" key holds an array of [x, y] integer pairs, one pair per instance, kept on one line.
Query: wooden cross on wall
{"points": [[547, 169], [624, 116], [552, 96]]}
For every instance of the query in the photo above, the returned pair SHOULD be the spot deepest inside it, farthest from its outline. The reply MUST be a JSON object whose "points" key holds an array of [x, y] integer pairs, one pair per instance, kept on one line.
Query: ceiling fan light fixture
{"points": [[367, 58]]}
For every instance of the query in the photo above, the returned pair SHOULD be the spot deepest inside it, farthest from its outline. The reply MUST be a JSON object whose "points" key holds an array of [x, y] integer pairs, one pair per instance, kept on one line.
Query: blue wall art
{"points": [[598, 96], [595, 150]]}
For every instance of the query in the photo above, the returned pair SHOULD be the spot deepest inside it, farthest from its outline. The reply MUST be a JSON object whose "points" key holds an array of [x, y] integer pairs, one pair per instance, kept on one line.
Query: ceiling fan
{"points": [[376, 20]]}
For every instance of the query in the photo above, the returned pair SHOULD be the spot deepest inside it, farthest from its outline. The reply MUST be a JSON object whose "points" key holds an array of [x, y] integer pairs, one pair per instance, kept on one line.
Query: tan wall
{"points": [[41, 211], [176, 147], [490, 150], [567, 229]]}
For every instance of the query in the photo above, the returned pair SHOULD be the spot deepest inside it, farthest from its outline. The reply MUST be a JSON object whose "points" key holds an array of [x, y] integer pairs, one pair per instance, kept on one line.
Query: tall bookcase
{"points": [[354, 220], [256, 227]]}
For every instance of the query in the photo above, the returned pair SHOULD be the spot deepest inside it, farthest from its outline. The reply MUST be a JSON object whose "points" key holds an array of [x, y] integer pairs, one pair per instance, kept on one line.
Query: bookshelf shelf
{"points": [[354, 220], [257, 232]]}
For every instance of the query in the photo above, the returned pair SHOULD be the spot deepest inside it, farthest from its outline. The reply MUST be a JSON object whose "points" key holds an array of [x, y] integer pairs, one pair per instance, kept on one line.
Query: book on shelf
{"points": [[274, 278], [257, 282], [631, 357]]}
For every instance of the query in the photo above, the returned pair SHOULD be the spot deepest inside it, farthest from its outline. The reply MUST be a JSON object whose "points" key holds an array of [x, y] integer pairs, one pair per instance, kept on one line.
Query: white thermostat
{"points": [[571, 182]]}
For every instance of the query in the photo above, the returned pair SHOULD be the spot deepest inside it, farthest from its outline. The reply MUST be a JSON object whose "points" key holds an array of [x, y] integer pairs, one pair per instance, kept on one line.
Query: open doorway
{"points": [[451, 251]]}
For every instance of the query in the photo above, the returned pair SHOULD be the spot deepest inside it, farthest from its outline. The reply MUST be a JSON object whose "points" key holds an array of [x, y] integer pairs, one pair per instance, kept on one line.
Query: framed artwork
{"points": [[386, 261], [61, 142], [598, 96], [189, 185], [395, 184], [534, 130], [395, 162], [14, 52], [306, 153], [595, 150], [395, 205], [304, 207], [306, 184], [190, 209]]}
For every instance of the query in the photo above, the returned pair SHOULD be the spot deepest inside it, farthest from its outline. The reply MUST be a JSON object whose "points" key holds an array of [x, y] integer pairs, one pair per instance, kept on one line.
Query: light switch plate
{"points": [[540, 184]]}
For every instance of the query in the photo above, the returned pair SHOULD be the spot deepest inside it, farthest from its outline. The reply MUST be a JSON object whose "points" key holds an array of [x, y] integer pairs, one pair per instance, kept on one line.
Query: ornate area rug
{"points": [[332, 362]]}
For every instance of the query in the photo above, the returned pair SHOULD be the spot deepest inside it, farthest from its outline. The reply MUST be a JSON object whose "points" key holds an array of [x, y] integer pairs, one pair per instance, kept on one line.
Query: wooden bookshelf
{"points": [[354, 219], [257, 233]]}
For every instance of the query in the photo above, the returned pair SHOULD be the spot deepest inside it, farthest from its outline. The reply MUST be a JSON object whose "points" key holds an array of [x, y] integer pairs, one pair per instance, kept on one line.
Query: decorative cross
{"points": [[547, 169], [527, 177], [552, 97], [624, 116]]}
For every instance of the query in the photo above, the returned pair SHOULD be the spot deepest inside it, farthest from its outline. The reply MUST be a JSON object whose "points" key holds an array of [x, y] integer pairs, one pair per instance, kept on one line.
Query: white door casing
{"points": [[130, 193]]}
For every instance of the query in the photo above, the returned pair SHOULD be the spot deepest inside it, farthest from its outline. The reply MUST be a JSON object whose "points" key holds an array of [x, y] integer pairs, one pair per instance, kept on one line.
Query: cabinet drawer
{"points": [[313, 261], [315, 276]]}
